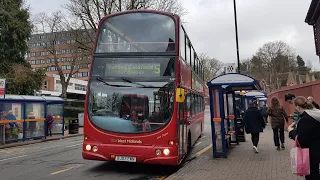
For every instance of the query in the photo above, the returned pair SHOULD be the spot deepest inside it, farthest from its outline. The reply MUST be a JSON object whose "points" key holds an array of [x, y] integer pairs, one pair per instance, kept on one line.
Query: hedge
{"points": [[72, 112], [76, 103]]}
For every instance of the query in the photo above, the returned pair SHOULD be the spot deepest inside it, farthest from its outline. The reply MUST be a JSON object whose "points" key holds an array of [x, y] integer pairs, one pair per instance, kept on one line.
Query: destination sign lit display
{"points": [[133, 69]]}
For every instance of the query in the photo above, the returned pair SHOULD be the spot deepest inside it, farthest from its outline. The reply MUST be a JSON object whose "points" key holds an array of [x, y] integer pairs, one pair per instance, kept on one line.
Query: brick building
{"points": [[313, 19], [63, 46]]}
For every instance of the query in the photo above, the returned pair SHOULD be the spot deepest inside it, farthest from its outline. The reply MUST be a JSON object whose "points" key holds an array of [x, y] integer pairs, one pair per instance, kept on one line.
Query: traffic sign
{"points": [[2, 88]]}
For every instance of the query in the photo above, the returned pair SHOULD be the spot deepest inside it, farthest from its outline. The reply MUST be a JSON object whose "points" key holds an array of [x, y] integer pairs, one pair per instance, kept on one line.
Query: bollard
{"points": [[74, 126]]}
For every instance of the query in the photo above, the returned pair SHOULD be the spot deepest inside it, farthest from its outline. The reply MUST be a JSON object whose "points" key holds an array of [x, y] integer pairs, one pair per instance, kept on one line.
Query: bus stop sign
{"points": [[230, 68], [2, 88]]}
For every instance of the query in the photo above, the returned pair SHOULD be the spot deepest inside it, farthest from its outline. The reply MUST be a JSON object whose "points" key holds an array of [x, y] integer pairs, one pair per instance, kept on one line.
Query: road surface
{"points": [[62, 159]]}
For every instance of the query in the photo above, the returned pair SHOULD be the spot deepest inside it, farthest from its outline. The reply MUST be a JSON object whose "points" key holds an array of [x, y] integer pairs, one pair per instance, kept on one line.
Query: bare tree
{"points": [[278, 58], [62, 36], [272, 62], [89, 13], [211, 66]]}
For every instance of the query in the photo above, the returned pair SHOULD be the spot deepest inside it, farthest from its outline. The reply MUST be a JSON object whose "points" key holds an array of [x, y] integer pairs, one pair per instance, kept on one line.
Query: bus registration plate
{"points": [[126, 158]]}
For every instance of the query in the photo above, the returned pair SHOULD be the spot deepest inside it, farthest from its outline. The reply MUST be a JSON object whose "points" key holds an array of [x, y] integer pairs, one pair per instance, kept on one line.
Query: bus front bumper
{"points": [[147, 159]]}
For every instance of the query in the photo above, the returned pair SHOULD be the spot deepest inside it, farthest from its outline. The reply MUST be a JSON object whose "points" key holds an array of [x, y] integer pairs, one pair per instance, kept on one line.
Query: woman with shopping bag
{"points": [[307, 140]]}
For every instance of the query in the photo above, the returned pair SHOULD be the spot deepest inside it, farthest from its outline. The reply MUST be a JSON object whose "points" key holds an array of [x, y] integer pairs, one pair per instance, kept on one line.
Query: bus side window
{"points": [[192, 58], [188, 104], [182, 44], [188, 58]]}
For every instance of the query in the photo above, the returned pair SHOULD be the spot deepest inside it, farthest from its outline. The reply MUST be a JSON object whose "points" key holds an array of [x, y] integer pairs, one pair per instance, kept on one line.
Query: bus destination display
{"points": [[133, 69]]}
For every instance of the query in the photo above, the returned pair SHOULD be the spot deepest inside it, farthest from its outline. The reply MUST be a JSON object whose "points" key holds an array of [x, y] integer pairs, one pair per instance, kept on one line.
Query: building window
{"points": [[45, 84], [83, 74], [80, 87]]}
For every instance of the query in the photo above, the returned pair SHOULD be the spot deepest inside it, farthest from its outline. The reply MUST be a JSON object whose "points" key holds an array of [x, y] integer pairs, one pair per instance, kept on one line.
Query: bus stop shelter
{"points": [[24, 117], [262, 101], [252, 96], [224, 116]]}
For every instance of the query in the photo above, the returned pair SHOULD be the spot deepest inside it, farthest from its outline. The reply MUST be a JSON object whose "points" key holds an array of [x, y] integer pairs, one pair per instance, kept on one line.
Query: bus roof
{"points": [[140, 11]]}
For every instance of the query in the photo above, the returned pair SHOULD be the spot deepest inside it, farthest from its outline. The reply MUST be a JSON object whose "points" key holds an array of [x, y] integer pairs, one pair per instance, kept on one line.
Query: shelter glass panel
{"points": [[217, 120], [35, 120], [11, 121], [232, 120], [56, 111]]}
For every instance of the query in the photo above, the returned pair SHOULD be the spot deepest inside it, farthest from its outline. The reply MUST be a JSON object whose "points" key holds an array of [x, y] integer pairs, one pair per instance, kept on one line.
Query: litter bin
{"points": [[74, 126], [241, 135]]}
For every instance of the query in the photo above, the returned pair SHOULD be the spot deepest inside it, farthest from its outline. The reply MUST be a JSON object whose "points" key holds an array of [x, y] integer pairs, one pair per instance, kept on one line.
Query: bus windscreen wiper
{"points": [[113, 85], [136, 83]]}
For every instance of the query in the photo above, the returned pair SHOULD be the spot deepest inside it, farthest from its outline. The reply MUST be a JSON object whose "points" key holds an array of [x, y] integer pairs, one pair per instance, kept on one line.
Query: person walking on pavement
{"points": [[308, 134], [277, 115], [253, 123], [296, 115]]}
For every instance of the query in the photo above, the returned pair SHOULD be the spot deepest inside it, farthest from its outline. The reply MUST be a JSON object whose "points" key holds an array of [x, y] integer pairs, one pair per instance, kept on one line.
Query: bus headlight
{"points": [[94, 148], [158, 152], [166, 152], [88, 147]]}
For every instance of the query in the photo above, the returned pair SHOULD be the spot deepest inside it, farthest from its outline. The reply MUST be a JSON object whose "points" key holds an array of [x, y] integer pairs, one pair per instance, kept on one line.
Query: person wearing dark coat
{"points": [[308, 134], [312, 102], [277, 115], [253, 123]]}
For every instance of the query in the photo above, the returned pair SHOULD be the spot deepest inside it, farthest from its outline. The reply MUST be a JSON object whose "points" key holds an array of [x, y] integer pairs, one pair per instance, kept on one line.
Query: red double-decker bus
{"points": [[145, 97]]}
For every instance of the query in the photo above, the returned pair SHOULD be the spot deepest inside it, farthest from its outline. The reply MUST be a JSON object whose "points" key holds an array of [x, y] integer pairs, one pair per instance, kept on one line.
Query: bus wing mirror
{"points": [[180, 95]]}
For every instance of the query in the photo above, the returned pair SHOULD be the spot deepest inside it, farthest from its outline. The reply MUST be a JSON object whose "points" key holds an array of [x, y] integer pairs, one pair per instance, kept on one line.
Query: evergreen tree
{"points": [[15, 30]]}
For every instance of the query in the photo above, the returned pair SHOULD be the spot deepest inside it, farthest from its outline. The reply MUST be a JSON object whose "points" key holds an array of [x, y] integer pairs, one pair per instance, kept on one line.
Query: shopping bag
{"points": [[300, 160], [15, 131]]}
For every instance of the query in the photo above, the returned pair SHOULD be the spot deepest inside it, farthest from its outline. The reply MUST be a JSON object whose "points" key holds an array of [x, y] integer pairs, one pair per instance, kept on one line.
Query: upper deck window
{"points": [[137, 32]]}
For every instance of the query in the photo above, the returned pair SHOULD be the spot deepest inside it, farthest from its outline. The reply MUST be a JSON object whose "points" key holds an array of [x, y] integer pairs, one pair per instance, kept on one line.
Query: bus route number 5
{"points": [[156, 69]]}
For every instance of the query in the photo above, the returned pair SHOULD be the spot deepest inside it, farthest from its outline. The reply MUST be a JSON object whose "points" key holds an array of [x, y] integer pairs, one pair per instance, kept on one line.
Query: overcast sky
{"points": [[210, 25]]}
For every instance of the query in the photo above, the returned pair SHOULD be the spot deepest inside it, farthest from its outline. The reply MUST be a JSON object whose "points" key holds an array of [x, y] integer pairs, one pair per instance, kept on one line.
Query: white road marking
{"points": [[13, 158], [22, 150], [74, 145], [197, 143]]}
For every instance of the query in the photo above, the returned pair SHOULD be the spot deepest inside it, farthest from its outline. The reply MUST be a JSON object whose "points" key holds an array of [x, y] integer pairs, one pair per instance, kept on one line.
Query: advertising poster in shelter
{"points": [[16, 108]]}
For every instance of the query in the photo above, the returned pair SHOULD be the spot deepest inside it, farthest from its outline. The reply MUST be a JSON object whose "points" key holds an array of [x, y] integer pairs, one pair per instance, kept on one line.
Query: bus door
{"points": [[182, 130]]}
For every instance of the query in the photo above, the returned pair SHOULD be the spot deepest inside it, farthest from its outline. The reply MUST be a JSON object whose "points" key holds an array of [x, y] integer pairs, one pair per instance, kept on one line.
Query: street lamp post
{"points": [[236, 29]]}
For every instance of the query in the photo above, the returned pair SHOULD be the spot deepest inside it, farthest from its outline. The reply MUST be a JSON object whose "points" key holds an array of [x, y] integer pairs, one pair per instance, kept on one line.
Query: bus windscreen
{"points": [[137, 32]]}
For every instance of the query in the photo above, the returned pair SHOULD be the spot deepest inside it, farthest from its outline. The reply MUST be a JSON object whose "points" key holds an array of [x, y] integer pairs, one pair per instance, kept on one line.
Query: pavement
{"points": [[242, 163], [62, 159], [49, 138]]}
